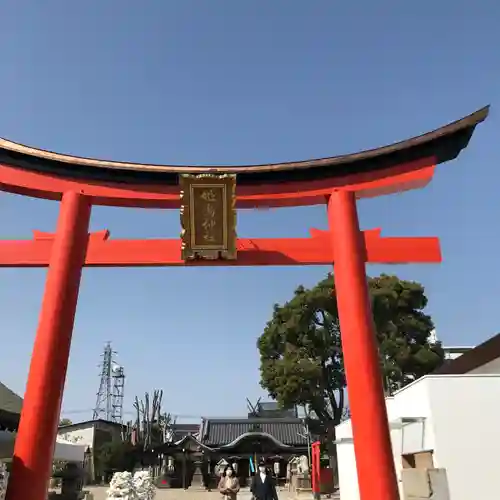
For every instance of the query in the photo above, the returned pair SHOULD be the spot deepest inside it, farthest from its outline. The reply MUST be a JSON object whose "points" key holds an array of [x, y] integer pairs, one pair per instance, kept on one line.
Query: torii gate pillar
{"points": [[370, 428], [32, 463]]}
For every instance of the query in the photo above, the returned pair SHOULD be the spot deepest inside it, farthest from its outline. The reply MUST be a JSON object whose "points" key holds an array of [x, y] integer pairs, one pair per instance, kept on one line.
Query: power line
{"points": [[132, 412]]}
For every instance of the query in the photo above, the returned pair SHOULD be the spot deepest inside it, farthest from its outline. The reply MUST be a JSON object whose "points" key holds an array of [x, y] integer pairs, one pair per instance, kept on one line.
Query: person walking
{"points": [[229, 484], [263, 484]]}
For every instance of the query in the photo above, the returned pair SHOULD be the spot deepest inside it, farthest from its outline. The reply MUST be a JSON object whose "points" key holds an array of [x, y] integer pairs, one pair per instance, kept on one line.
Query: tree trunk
{"points": [[332, 454]]}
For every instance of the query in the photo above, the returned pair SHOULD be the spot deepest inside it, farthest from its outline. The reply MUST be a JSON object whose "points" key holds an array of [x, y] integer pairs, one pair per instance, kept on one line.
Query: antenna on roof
{"points": [[253, 409]]}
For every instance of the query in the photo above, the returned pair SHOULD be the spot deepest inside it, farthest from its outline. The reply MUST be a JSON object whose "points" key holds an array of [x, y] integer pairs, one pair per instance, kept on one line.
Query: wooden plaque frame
{"points": [[208, 216]]}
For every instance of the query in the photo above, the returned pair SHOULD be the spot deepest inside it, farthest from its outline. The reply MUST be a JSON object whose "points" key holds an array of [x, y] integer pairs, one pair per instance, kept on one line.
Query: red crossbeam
{"points": [[316, 250]]}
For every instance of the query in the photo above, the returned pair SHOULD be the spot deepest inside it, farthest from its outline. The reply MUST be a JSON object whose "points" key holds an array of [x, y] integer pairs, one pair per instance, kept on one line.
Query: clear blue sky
{"points": [[199, 81]]}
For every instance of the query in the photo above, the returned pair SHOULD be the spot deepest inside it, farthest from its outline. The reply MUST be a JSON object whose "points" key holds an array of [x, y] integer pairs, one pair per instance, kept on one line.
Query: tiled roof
{"points": [[269, 406], [271, 409], [90, 423], [219, 432], [9, 400], [181, 430]]}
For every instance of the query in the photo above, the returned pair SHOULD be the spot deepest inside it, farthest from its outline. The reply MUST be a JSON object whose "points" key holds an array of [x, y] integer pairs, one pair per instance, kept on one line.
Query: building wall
{"points": [[86, 432], [82, 435], [411, 401], [493, 367], [456, 419], [451, 353], [92, 434], [346, 462], [467, 434]]}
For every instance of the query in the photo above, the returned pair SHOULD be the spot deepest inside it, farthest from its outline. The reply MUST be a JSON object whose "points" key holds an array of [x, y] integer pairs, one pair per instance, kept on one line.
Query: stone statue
{"points": [[303, 466]]}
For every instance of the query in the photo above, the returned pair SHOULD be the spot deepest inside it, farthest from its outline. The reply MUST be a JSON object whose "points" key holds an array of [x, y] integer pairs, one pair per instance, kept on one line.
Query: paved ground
{"points": [[100, 494], [175, 494]]}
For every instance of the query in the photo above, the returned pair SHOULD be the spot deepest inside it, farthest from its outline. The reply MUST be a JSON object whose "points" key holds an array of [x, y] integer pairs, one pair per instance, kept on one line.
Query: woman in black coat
{"points": [[263, 485]]}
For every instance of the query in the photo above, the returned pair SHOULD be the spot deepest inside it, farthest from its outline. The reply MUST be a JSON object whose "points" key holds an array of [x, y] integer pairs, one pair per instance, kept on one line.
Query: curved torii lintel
{"points": [[401, 166]]}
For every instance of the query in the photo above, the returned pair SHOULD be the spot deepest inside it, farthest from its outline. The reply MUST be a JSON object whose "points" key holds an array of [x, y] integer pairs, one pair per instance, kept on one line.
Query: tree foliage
{"points": [[65, 421], [116, 455], [301, 353]]}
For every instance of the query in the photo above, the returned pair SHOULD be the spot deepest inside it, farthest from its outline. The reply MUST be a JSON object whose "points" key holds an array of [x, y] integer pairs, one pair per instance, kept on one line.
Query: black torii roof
{"points": [[442, 144]]}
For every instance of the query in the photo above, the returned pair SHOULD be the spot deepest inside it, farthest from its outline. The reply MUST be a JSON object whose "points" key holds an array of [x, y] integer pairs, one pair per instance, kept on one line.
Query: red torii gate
{"points": [[79, 183]]}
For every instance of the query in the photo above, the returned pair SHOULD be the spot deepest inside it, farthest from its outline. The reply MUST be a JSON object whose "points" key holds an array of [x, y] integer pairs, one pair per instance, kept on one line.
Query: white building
{"points": [[451, 352], [454, 352], [447, 420], [92, 434]]}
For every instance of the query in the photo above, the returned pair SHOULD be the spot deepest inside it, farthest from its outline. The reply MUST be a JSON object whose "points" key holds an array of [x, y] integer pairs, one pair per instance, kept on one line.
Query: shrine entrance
{"points": [[208, 198]]}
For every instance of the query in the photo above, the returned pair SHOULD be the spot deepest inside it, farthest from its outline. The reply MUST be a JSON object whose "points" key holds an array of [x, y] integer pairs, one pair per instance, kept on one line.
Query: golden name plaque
{"points": [[208, 216]]}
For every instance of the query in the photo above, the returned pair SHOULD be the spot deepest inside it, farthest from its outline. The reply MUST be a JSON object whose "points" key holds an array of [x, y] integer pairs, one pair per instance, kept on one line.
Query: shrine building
{"points": [[269, 434]]}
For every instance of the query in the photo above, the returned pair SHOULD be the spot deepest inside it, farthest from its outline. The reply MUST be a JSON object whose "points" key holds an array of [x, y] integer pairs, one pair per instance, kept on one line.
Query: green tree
{"points": [[301, 353], [65, 421], [116, 455]]}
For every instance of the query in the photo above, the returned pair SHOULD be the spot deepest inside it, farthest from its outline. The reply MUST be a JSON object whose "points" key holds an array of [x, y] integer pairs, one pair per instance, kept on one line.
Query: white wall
{"points": [[465, 417], [452, 413], [80, 435], [346, 463], [410, 402], [455, 352]]}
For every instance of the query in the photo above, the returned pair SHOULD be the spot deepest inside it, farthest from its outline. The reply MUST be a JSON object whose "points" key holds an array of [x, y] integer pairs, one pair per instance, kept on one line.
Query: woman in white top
{"points": [[229, 484]]}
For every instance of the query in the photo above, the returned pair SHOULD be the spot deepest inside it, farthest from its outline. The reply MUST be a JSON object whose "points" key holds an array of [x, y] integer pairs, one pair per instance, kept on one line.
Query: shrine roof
{"points": [[9, 400], [10, 408], [220, 432], [180, 431], [442, 144]]}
